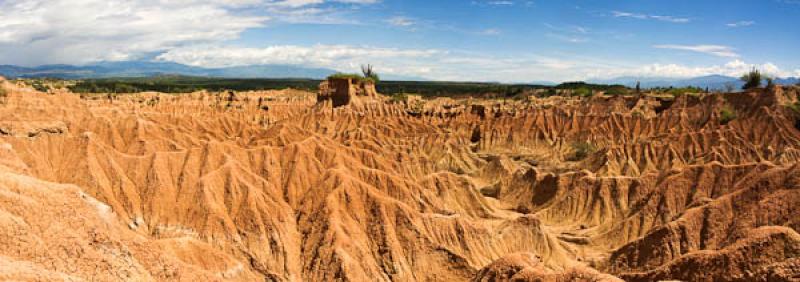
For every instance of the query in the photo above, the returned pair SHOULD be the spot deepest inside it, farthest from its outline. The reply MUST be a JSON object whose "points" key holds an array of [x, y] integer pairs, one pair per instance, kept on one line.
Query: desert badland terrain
{"points": [[289, 186]]}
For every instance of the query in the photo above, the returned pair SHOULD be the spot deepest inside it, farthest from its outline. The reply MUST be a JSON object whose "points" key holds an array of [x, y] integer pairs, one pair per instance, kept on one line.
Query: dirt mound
{"points": [[270, 185]]}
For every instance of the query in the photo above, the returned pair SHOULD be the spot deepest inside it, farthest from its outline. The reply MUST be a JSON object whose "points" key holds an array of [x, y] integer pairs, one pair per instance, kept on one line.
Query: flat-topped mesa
{"points": [[342, 91]]}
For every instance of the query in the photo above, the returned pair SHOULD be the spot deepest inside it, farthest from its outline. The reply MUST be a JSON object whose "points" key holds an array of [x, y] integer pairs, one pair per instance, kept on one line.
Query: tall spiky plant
{"points": [[370, 73], [752, 79]]}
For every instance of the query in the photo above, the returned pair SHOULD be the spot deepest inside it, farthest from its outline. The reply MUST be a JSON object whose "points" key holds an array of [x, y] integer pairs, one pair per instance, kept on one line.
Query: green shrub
{"points": [[684, 91], [582, 92], [341, 75], [581, 150], [726, 115], [617, 90], [752, 79], [39, 86], [353, 76]]}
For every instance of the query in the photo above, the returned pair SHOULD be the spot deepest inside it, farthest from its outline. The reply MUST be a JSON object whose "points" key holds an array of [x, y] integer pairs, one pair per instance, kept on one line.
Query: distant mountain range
{"points": [[149, 68], [144, 69], [710, 82]]}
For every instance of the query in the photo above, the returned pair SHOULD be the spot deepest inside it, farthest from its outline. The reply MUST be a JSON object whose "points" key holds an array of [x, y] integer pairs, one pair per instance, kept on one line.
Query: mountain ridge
{"points": [[144, 69], [154, 68]]}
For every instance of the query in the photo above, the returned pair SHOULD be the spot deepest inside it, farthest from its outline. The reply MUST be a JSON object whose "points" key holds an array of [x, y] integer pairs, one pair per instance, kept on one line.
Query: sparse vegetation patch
{"points": [[353, 76], [680, 91], [582, 92], [726, 115], [581, 150], [368, 75]]}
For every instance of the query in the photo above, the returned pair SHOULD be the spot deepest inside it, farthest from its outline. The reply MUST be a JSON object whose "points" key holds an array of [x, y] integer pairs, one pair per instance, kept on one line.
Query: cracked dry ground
{"points": [[190, 188]]}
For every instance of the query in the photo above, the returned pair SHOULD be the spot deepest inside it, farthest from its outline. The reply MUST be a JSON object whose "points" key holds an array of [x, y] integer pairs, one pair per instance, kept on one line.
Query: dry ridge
{"points": [[278, 186]]}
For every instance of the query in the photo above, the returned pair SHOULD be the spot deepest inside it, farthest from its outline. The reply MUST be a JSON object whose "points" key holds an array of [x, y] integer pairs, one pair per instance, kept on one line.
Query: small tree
{"points": [[582, 92], [369, 73], [729, 87], [638, 88], [770, 82], [752, 79]]}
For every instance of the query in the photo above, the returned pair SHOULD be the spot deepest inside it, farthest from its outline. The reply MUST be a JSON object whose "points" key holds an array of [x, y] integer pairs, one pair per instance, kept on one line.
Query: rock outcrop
{"points": [[342, 91]]}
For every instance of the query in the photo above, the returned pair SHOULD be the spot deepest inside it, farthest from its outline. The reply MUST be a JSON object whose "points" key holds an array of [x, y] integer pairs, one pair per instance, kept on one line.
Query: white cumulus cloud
{"points": [[77, 31], [733, 68], [450, 65], [34, 32], [338, 57]]}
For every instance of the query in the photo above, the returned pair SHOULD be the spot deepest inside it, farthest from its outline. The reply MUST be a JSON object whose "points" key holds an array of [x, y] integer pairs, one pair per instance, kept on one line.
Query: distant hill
{"points": [[710, 81], [787, 81], [146, 69], [149, 69]]}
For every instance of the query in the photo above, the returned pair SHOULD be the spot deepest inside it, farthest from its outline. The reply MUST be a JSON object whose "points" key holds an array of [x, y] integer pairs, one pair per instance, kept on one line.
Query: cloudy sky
{"points": [[482, 40]]}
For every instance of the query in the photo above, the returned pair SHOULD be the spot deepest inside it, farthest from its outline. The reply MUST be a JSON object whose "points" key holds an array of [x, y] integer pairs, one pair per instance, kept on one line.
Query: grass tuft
{"points": [[726, 115], [353, 76]]}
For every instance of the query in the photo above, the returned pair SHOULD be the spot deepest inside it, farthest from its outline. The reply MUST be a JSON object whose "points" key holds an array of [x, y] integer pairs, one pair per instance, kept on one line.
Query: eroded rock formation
{"points": [[192, 187], [342, 91]]}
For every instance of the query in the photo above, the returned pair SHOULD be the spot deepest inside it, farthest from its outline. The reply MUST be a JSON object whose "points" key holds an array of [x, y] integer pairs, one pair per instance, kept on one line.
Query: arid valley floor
{"points": [[282, 186]]}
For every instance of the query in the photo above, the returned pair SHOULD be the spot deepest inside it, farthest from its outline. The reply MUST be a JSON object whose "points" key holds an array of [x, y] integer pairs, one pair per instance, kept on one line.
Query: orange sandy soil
{"points": [[211, 187]]}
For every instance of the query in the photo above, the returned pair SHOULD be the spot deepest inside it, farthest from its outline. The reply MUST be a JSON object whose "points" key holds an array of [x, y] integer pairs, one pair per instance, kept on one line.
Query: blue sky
{"points": [[485, 40]]}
